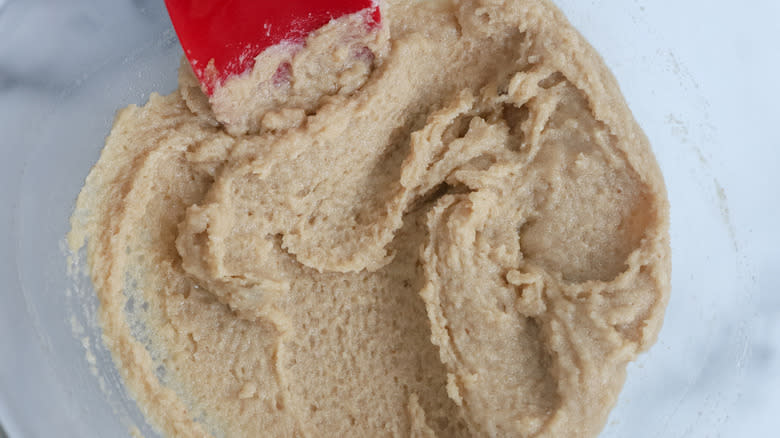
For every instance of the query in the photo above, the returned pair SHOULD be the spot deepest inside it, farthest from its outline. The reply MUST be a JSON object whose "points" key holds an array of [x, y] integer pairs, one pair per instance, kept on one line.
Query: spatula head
{"points": [[221, 38]]}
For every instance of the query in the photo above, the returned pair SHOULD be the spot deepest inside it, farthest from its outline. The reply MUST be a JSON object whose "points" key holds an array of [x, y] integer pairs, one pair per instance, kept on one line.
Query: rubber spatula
{"points": [[229, 34]]}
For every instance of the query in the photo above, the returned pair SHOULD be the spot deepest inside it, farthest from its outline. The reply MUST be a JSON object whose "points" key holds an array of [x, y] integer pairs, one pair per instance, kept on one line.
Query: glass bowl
{"points": [[66, 67]]}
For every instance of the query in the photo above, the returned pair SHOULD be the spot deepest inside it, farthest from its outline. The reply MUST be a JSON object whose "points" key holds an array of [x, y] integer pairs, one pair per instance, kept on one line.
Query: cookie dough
{"points": [[449, 226]]}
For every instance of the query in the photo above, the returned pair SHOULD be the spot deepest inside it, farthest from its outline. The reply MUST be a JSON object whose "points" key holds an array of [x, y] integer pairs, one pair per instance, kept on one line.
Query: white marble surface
{"points": [[699, 75]]}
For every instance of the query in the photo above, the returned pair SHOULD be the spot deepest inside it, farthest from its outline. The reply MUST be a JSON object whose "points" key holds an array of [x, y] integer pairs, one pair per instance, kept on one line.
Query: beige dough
{"points": [[448, 227]]}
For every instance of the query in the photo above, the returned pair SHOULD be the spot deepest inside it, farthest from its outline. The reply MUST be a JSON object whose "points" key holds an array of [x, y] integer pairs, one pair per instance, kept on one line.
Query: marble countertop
{"points": [[699, 76]]}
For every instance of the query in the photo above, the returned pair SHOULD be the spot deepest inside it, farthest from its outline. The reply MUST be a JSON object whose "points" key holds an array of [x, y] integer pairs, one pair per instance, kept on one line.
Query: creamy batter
{"points": [[449, 226]]}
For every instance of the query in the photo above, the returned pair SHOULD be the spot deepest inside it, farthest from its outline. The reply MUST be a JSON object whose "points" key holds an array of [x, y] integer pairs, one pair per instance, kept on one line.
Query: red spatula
{"points": [[231, 33]]}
